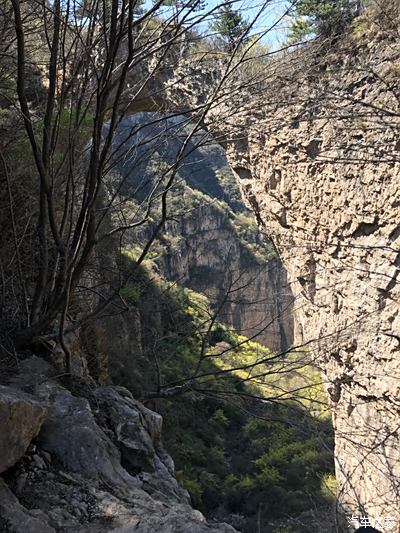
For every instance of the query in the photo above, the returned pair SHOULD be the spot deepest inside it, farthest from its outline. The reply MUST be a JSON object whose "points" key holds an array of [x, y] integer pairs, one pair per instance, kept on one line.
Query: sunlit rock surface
{"points": [[97, 465]]}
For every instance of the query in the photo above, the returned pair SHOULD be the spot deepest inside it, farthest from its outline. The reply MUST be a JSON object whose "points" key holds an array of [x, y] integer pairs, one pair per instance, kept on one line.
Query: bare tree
{"points": [[86, 57]]}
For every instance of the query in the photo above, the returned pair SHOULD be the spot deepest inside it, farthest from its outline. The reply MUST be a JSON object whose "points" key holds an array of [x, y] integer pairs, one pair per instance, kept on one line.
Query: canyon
{"points": [[315, 149], [311, 138]]}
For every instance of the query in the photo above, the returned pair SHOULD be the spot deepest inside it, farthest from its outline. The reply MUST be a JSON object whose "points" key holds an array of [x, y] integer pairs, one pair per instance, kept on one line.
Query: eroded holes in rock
{"points": [[288, 195], [275, 178], [243, 173], [383, 296], [313, 149], [365, 228], [295, 123], [395, 234]]}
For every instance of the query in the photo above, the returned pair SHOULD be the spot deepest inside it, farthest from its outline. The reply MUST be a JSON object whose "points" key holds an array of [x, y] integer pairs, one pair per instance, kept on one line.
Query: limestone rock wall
{"points": [[321, 169]]}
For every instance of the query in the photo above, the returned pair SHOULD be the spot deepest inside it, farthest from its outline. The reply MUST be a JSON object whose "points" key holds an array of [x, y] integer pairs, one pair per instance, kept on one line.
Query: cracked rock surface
{"points": [[97, 464], [321, 170]]}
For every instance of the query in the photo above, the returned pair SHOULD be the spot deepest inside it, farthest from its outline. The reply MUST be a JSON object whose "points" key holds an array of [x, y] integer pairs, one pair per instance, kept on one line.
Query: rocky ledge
{"points": [[90, 460]]}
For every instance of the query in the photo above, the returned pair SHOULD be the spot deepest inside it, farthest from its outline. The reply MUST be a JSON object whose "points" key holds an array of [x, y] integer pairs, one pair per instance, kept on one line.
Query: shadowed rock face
{"points": [[322, 173]]}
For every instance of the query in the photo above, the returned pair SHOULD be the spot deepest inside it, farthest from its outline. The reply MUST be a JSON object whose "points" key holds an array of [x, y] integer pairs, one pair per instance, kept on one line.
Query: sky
{"points": [[250, 8], [274, 9]]}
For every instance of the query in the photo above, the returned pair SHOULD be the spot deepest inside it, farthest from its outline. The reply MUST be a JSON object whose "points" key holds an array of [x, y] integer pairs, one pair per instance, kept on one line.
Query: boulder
{"points": [[137, 430], [72, 435], [21, 417]]}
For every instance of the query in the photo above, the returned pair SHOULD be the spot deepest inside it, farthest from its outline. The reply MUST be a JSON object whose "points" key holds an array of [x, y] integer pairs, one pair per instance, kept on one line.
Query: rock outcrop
{"points": [[21, 417], [210, 258], [97, 465], [321, 169]]}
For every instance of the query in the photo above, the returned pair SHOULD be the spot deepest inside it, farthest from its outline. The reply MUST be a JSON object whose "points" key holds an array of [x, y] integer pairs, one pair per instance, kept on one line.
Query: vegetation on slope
{"points": [[246, 452]]}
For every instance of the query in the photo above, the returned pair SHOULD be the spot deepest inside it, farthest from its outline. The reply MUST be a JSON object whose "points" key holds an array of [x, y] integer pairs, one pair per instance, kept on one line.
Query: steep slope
{"points": [[210, 242], [321, 170]]}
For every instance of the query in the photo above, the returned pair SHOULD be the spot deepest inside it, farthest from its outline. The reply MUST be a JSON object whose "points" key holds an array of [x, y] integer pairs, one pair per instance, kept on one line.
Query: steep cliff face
{"points": [[211, 258], [321, 169], [210, 243]]}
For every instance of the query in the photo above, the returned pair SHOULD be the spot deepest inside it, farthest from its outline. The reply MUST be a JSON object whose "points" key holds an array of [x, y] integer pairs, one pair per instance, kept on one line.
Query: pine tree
{"points": [[231, 27], [323, 18]]}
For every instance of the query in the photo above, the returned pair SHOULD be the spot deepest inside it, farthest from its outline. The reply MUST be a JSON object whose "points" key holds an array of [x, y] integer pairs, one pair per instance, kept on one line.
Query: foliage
{"points": [[322, 18], [377, 19], [132, 294], [329, 487], [230, 187], [264, 467], [86, 10], [235, 464], [180, 6], [231, 27], [251, 237]]}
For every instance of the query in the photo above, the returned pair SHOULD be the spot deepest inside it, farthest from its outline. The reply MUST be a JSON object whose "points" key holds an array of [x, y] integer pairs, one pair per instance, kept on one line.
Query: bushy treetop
{"points": [[323, 18]]}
